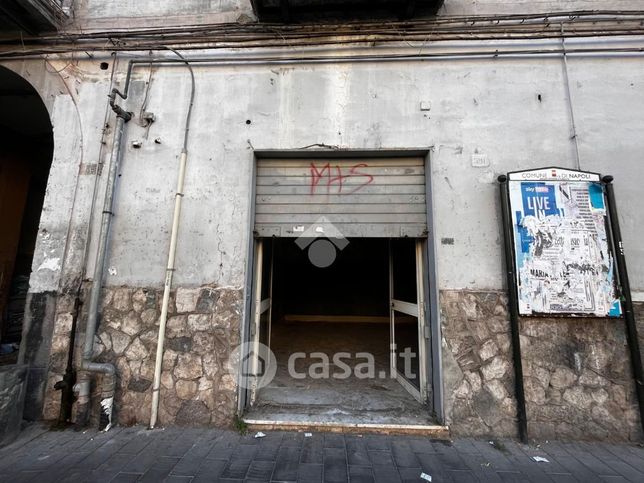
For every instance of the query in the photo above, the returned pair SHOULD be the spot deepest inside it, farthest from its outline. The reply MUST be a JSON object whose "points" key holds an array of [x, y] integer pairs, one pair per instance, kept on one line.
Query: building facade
{"points": [[418, 108]]}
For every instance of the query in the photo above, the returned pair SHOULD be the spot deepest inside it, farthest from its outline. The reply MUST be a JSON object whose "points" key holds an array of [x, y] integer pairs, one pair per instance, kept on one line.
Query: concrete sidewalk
{"points": [[208, 455]]}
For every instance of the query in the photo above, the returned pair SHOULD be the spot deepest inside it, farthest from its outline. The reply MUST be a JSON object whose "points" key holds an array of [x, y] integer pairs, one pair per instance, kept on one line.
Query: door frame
{"points": [[260, 307], [416, 310], [431, 322]]}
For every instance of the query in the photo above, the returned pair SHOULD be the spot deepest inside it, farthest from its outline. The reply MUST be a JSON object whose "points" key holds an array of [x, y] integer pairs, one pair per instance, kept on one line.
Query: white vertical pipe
{"points": [[166, 289]]}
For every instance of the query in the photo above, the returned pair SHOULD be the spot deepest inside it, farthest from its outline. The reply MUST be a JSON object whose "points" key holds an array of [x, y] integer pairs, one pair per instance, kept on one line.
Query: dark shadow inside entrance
{"points": [[26, 149], [340, 311]]}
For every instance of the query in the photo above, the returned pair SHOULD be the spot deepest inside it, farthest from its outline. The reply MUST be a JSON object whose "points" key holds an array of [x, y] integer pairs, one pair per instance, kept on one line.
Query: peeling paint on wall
{"points": [[52, 264]]}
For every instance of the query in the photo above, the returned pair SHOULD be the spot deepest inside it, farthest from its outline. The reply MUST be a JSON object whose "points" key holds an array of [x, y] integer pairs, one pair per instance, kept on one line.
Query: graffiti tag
{"points": [[334, 177]]}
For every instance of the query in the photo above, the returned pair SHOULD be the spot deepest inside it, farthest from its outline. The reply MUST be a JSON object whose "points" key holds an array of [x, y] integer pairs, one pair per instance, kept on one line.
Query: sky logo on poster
{"points": [[539, 200]]}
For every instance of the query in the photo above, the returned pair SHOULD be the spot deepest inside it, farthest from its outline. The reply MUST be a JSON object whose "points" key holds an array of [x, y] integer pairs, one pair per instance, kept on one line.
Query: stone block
{"points": [[120, 341], [203, 342], [106, 298], [578, 397], [137, 351], [186, 389], [180, 344], [186, 299], [211, 366], [139, 384], [474, 379], [600, 396], [188, 367], [167, 380], [541, 375], [143, 299], [106, 340], [169, 359], [534, 391], [591, 378], [139, 299], [503, 342], [495, 369], [172, 404], [488, 350], [199, 322], [59, 344], [123, 371], [487, 408], [205, 384], [193, 413], [150, 317], [147, 368], [112, 318], [13, 387], [562, 378], [131, 324], [463, 390], [121, 299], [150, 338], [63, 325], [497, 389], [498, 325], [227, 383], [177, 326], [207, 300]]}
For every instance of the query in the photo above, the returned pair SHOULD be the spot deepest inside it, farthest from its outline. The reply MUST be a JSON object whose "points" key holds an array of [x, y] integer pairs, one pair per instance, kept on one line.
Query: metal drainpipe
{"points": [[87, 365], [108, 370]]}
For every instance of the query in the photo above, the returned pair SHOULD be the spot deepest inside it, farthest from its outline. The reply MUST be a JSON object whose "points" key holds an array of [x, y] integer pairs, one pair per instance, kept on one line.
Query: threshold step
{"points": [[432, 431]]}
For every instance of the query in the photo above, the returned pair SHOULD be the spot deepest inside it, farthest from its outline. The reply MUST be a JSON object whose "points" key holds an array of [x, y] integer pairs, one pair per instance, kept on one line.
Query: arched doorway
{"points": [[26, 150]]}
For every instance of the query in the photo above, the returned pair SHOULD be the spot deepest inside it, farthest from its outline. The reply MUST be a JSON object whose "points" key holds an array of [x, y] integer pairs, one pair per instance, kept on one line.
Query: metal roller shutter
{"points": [[360, 197]]}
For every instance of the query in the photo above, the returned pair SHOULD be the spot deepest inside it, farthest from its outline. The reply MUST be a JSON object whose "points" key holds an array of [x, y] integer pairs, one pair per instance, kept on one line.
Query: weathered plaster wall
{"points": [[477, 106], [577, 373], [489, 107], [95, 14], [486, 7]]}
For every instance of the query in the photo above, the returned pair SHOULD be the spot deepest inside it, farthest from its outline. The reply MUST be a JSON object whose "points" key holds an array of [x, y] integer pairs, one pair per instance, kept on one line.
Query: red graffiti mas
{"points": [[333, 177]]}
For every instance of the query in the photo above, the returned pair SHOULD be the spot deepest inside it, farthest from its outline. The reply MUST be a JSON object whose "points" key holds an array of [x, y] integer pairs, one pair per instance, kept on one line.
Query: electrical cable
{"points": [[564, 56], [537, 26], [523, 19], [192, 97]]}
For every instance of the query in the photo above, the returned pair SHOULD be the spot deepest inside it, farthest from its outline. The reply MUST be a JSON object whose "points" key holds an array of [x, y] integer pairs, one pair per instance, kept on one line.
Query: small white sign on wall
{"points": [[480, 160]]}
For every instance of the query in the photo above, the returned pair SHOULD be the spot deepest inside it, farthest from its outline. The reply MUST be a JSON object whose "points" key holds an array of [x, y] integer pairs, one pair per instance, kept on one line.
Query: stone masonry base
{"points": [[577, 373], [202, 329]]}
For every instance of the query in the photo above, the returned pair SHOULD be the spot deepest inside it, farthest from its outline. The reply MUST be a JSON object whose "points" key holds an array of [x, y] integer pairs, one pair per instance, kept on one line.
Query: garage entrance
{"points": [[340, 292]]}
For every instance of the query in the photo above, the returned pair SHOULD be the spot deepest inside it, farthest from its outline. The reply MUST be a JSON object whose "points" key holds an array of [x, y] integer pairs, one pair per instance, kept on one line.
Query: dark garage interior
{"points": [[343, 308]]}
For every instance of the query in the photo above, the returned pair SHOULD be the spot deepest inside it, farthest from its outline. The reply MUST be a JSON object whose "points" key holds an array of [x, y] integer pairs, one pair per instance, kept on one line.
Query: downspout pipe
{"points": [[87, 364]]}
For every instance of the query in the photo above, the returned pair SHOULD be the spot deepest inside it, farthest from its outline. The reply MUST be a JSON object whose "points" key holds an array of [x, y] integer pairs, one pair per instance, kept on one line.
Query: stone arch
{"points": [[26, 154]]}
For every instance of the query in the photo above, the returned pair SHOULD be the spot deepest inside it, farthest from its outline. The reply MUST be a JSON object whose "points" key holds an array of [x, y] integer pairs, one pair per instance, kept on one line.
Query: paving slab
{"points": [[179, 455]]}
